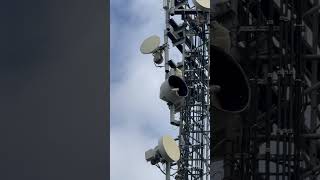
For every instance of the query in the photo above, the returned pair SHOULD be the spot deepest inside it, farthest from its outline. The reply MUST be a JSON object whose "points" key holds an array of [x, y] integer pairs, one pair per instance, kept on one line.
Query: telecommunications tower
{"points": [[246, 95], [265, 113], [186, 86]]}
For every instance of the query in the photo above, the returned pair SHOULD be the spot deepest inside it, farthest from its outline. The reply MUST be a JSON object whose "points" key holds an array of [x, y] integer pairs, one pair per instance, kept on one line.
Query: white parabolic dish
{"points": [[150, 44], [203, 5], [168, 149]]}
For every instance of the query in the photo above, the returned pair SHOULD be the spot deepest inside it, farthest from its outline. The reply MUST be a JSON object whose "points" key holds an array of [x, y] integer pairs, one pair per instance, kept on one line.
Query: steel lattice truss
{"points": [[190, 36], [278, 46]]}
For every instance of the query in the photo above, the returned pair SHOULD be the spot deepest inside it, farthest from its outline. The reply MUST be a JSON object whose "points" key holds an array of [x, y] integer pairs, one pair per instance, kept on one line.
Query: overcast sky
{"points": [[138, 117]]}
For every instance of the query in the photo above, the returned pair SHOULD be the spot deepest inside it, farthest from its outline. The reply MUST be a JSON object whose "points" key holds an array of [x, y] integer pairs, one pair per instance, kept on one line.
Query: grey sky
{"points": [[53, 99]]}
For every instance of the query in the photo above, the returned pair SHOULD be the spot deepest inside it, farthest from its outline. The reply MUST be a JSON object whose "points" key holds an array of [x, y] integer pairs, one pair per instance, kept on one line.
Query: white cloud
{"points": [[127, 155]]}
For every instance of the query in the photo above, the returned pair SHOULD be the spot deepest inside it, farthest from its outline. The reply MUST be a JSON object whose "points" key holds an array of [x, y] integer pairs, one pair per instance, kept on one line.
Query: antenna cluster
{"points": [[257, 114], [185, 88]]}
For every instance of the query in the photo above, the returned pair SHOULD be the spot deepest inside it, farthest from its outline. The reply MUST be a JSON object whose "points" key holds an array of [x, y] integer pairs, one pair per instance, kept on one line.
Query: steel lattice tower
{"points": [[276, 42], [191, 37]]}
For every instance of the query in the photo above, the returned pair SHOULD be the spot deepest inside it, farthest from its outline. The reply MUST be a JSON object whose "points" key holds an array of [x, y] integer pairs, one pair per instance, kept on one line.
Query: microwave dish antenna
{"points": [[203, 5], [150, 45], [169, 149]]}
